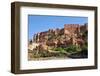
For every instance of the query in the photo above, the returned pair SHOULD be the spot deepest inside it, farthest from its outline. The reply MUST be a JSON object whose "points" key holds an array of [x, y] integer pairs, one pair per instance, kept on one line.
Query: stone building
{"points": [[71, 29], [69, 35]]}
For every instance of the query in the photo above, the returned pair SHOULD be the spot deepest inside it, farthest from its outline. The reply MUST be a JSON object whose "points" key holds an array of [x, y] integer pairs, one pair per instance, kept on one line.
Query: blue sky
{"points": [[39, 23]]}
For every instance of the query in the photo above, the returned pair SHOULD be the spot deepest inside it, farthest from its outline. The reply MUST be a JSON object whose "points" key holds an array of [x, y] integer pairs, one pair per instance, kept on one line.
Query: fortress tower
{"points": [[71, 28]]}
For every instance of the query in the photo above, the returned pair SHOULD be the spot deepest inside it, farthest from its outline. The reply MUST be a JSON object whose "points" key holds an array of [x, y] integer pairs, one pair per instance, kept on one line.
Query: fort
{"points": [[70, 32]]}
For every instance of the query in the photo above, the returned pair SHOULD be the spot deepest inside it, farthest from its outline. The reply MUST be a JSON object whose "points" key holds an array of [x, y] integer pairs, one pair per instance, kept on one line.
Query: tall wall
{"points": [[71, 28]]}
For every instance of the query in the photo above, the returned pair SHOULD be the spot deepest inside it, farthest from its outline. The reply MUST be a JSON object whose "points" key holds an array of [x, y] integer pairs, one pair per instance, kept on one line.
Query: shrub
{"points": [[58, 49], [72, 49]]}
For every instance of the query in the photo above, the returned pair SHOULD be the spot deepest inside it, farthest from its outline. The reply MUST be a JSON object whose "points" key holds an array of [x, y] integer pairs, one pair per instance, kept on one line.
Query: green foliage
{"points": [[69, 49], [58, 49], [72, 49]]}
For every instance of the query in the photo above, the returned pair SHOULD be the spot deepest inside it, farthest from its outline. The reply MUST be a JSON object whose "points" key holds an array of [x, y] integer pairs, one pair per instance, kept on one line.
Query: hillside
{"points": [[67, 42]]}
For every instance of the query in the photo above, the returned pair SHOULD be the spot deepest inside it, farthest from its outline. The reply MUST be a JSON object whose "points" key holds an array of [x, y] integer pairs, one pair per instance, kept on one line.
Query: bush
{"points": [[72, 49], [69, 49], [58, 49]]}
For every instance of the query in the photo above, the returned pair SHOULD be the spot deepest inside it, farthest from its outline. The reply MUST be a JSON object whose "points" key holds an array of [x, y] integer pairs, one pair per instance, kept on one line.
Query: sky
{"points": [[40, 23]]}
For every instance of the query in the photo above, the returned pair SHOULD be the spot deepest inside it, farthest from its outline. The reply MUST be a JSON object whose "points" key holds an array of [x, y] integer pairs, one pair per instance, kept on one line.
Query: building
{"points": [[71, 34]]}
